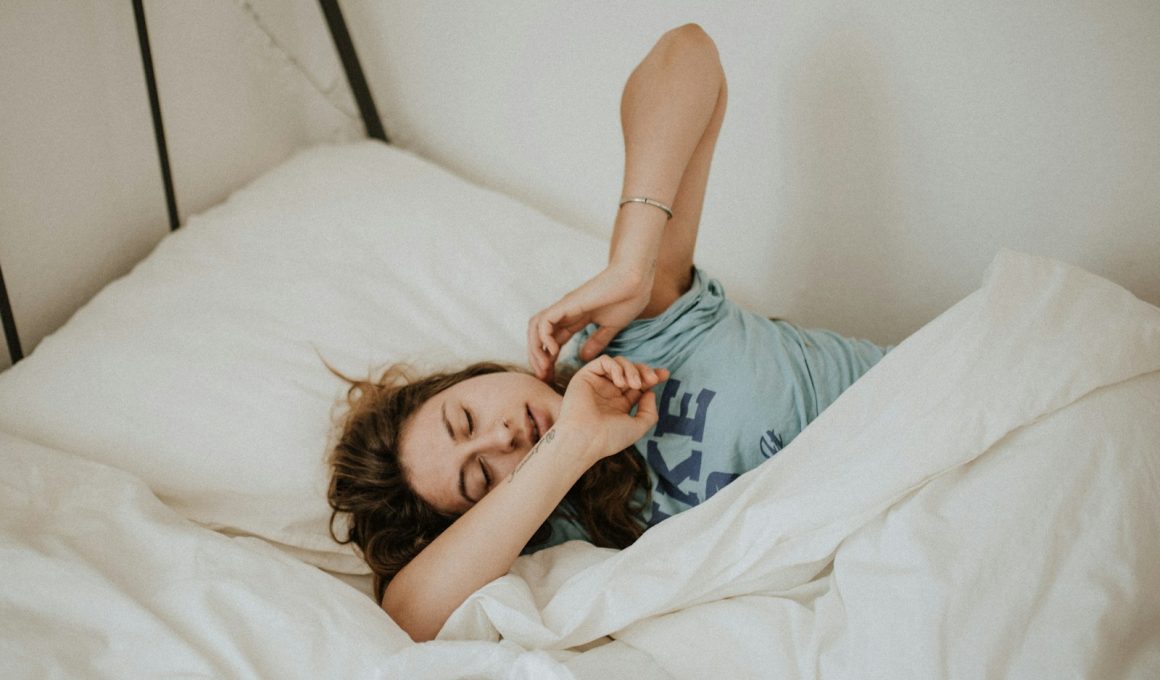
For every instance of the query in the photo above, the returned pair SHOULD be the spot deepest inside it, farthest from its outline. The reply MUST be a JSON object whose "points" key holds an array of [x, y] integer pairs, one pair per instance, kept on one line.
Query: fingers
{"points": [[543, 345], [646, 410], [620, 387], [545, 335], [626, 375], [597, 342], [548, 331], [542, 365]]}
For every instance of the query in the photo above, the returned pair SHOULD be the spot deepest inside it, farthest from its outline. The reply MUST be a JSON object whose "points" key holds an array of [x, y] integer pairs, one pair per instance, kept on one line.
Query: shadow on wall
{"points": [[845, 225]]}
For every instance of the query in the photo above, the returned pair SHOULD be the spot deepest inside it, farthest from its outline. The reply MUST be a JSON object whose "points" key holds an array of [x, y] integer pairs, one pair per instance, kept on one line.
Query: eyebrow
{"points": [[462, 477]]}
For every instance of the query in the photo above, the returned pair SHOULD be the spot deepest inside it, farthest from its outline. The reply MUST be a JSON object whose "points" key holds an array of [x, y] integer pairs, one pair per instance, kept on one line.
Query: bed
{"points": [[984, 503]]}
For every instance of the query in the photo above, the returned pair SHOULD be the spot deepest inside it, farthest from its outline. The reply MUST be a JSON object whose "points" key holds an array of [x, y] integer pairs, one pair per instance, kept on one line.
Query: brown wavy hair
{"points": [[391, 524]]}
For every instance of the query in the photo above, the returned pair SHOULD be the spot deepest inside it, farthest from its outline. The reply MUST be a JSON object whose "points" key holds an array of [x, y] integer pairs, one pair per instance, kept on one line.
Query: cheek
{"points": [[434, 492], [506, 464], [548, 397]]}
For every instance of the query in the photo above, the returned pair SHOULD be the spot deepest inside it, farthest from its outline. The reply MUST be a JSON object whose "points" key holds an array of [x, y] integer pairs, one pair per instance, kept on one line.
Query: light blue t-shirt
{"points": [[741, 387]]}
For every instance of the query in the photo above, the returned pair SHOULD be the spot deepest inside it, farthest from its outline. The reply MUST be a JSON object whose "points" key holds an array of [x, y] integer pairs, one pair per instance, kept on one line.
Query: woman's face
{"points": [[466, 439]]}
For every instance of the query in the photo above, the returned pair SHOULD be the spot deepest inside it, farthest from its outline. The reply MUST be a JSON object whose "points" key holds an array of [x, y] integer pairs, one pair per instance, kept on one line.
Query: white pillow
{"points": [[200, 371]]}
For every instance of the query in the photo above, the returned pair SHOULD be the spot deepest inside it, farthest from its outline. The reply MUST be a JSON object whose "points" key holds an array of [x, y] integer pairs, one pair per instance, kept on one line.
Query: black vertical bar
{"points": [[9, 321], [354, 72], [155, 107]]}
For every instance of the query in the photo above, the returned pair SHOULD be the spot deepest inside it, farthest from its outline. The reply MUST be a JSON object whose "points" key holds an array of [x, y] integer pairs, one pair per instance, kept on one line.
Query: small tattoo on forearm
{"points": [[551, 434]]}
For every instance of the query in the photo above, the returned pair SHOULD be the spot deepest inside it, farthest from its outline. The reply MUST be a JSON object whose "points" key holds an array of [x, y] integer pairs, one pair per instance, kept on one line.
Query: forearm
{"points": [[483, 544], [671, 111], [667, 107]]}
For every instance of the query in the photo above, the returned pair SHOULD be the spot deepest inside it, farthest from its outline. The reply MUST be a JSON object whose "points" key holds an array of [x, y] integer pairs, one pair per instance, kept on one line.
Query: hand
{"points": [[612, 299], [600, 397]]}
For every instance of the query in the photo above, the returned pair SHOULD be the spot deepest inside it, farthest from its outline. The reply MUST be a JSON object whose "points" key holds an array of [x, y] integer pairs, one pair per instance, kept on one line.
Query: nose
{"points": [[501, 448], [502, 437]]}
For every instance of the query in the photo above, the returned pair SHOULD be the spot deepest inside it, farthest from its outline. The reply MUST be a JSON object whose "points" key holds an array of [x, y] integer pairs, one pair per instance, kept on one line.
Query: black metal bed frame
{"points": [[354, 76]]}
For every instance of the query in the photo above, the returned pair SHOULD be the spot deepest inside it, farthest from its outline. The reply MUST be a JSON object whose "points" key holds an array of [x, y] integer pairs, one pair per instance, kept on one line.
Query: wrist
{"points": [[636, 238], [578, 448], [635, 274]]}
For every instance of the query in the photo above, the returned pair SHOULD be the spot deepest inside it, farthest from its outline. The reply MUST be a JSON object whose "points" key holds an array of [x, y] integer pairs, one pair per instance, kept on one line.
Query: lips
{"points": [[537, 424]]}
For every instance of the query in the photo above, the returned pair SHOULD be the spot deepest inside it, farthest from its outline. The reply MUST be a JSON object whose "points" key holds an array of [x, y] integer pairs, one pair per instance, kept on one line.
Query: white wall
{"points": [[244, 83], [874, 157], [80, 190]]}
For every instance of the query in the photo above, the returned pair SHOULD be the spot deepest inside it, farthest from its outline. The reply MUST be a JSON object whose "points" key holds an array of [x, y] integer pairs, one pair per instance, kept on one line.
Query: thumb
{"points": [[646, 411], [597, 342]]}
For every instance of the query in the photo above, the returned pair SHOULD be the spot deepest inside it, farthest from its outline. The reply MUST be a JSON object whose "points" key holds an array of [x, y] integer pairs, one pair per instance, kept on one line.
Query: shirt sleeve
{"points": [[665, 340]]}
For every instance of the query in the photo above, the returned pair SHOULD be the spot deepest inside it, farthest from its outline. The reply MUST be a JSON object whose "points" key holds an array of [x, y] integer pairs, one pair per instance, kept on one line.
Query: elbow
{"points": [[689, 32], [690, 38], [689, 49], [410, 617]]}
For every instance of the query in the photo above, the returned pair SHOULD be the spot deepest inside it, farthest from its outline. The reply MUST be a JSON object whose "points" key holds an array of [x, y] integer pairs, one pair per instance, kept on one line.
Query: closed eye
{"points": [[470, 422]]}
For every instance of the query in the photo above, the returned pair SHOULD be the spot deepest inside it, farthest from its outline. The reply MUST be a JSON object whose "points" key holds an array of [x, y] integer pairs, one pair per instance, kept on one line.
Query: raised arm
{"points": [[671, 112]]}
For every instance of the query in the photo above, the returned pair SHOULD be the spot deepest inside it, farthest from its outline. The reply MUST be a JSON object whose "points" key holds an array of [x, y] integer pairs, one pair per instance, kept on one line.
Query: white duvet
{"points": [[984, 503]]}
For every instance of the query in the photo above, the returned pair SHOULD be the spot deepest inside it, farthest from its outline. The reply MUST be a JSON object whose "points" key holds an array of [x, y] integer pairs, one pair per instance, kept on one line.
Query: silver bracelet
{"points": [[649, 201]]}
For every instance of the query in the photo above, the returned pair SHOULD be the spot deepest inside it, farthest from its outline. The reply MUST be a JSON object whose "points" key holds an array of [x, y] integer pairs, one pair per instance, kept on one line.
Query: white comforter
{"points": [[984, 503]]}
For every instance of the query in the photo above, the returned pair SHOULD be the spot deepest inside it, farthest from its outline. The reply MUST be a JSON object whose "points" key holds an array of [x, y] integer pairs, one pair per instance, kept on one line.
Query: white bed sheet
{"points": [[102, 580]]}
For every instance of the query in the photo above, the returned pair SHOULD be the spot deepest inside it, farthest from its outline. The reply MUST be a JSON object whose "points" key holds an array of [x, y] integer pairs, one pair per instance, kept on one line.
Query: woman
{"points": [[449, 478]]}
